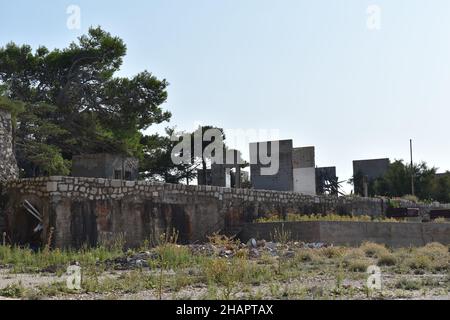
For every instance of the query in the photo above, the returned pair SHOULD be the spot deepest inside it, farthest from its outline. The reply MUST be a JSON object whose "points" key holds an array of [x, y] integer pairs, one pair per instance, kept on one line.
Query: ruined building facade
{"points": [[8, 164]]}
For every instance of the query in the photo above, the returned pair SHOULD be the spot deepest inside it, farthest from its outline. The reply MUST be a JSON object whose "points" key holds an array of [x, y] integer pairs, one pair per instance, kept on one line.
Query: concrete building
{"points": [[105, 165], [283, 179], [304, 170], [366, 171], [324, 177], [371, 168], [224, 174], [296, 170]]}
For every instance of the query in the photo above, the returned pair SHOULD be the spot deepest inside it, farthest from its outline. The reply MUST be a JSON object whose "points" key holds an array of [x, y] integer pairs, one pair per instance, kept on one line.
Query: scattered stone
{"points": [[136, 261], [289, 254], [252, 243], [226, 253], [315, 245], [261, 243], [254, 253], [203, 249]]}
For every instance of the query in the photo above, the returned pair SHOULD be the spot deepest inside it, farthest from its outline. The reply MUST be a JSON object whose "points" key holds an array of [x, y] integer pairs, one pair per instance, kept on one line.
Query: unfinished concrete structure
{"points": [[371, 168], [281, 181], [304, 170], [296, 168], [105, 165], [366, 171], [225, 174], [324, 177]]}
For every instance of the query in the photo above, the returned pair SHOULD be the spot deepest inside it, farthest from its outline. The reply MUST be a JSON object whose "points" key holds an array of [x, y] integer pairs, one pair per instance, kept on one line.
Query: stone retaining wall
{"points": [[87, 210]]}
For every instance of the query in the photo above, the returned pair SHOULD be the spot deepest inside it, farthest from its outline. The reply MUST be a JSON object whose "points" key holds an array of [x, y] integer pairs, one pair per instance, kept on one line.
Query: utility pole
{"points": [[412, 168]]}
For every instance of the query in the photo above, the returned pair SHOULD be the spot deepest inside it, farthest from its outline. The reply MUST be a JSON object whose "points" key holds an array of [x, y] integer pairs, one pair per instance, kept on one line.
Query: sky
{"points": [[353, 82]]}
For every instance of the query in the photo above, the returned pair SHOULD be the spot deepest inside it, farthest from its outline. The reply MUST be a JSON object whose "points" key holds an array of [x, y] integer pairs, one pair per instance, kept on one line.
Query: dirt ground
{"points": [[228, 270]]}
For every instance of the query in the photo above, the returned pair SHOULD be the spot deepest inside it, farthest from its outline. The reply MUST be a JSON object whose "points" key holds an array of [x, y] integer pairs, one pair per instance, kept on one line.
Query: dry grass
{"points": [[296, 217], [304, 273], [387, 259], [374, 250]]}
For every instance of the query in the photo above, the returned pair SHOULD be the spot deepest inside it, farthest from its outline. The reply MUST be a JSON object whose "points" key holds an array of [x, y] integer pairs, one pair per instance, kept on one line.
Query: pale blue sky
{"points": [[311, 69]]}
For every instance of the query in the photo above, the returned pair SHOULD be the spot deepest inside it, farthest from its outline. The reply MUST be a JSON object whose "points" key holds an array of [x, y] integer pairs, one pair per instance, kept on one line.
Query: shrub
{"points": [[440, 220], [419, 262], [130, 282], [305, 255], [438, 255], [432, 257], [229, 272], [221, 240], [174, 256], [374, 250], [25, 260], [434, 250], [332, 252], [298, 217], [408, 284], [280, 235], [15, 290], [387, 259], [411, 198], [355, 260], [358, 265]]}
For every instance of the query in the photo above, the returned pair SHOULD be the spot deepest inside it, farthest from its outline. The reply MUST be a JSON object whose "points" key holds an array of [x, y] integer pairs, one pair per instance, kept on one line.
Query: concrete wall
{"points": [[220, 174], [373, 168], [304, 172], [392, 234], [104, 165], [324, 175], [283, 180], [303, 157], [84, 210], [305, 180]]}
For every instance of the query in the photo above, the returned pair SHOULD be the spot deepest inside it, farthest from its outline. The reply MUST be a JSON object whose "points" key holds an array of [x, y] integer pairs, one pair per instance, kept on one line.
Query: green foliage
{"points": [[387, 259], [73, 104], [331, 272], [25, 260], [441, 188], [375, 250], [157, 163], [292, 217], [408, 284], [203, 162], [397, 183], [13, 106], [15, 290], [356, 260]]}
